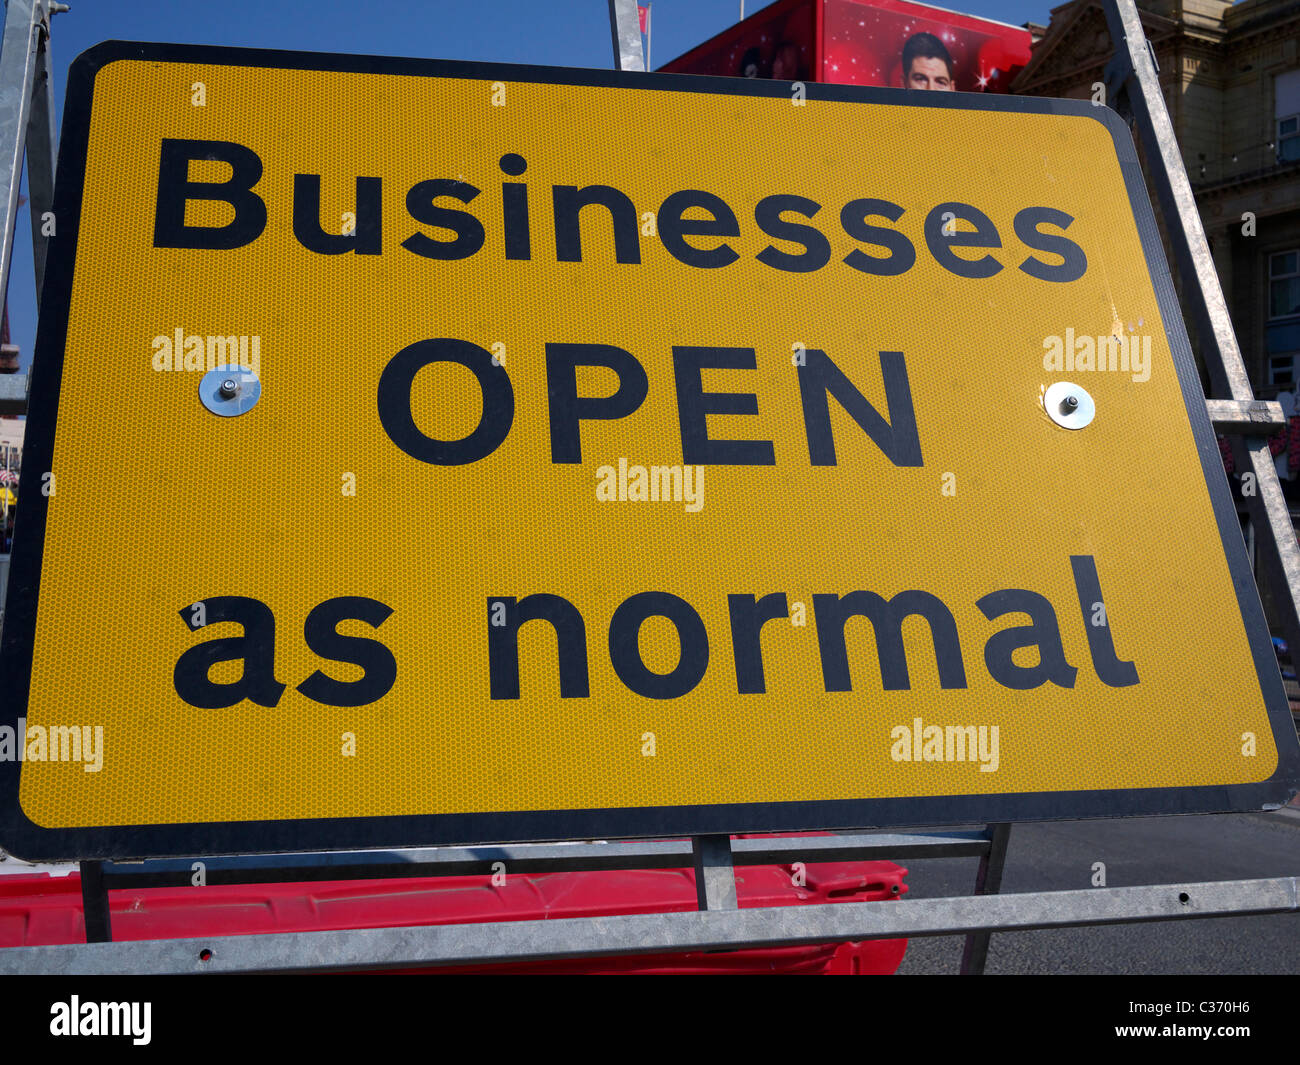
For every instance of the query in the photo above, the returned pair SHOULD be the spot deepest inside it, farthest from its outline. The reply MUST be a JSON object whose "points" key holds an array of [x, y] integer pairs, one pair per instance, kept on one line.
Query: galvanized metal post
{"points": [[625, 26], [25, 31], [988, 881], [715, 875], [26, 121], [42, 139]]}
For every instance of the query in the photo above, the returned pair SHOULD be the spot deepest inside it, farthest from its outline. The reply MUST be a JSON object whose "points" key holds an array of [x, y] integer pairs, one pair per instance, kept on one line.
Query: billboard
{"points": [[779, 42], [492, 482], [893, 43]]}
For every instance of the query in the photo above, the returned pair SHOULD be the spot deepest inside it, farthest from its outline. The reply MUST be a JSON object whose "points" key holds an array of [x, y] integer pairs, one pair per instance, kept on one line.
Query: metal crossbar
{"points": [[712, 929]]}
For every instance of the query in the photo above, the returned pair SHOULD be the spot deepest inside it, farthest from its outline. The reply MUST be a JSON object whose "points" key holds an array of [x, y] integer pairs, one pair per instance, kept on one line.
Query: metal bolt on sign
{"points": [[230, 390], [1068, 405]]}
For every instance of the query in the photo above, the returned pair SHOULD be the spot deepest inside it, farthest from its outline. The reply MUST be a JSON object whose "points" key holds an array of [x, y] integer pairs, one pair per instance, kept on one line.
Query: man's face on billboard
{"points": [[929, 73]]}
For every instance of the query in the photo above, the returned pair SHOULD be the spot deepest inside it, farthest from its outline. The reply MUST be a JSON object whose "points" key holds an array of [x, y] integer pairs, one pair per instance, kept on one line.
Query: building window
{"points": [[1286, 112], [1282, 335], [1288, 139]]}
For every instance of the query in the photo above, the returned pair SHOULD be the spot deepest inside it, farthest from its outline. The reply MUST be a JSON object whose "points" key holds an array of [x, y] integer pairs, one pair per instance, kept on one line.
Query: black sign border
{"points": [[24, 838]]}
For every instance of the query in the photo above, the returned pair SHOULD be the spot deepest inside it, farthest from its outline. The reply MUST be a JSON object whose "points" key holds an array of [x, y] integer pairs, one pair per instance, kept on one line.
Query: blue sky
{"points": [[561, 33]]}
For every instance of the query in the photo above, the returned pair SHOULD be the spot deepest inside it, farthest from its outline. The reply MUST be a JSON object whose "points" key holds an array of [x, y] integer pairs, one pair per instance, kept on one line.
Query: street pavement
{"points": [[1059, 855]]}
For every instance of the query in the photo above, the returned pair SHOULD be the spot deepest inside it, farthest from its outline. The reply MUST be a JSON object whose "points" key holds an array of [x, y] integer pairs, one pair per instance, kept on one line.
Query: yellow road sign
{"points": [[522, 453]]}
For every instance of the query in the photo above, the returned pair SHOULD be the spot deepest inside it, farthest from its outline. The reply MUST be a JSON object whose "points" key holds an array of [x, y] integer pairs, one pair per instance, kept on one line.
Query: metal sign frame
{"points": [[30, 840], [1245, 419]]}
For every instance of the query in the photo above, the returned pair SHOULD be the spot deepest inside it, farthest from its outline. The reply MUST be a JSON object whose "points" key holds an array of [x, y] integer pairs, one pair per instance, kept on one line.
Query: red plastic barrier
{"points": [[42, 910]]}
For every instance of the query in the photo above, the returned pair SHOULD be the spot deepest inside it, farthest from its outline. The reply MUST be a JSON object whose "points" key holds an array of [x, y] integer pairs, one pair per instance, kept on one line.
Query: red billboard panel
{"points": [[865, 42], [778, 42]]}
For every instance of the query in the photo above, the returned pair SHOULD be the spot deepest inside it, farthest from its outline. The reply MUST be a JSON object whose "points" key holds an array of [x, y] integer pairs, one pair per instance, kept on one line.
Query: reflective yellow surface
{"points": [[160, 504]]}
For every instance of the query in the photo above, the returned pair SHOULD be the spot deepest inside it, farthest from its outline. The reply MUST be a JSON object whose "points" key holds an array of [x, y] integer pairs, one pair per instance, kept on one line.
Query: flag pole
{"points": [[649, 25]]}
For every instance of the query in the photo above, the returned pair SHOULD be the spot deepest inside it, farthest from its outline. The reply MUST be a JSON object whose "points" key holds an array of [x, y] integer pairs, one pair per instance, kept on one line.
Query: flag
{"points": [[644, 14]]}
